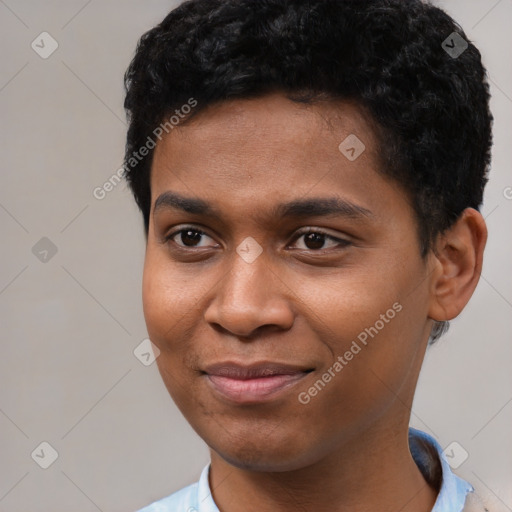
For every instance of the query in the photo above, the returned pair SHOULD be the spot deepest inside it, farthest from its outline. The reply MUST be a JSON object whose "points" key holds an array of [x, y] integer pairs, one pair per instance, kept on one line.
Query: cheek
{"points": [[169, 299], [373, 321], [156, 302], [159, 317], [172, 299], [168, 305], [343, 305]]}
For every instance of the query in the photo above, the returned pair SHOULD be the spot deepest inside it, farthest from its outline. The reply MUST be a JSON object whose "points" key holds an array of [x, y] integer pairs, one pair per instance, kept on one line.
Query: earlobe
{"points": [[458, 258]]}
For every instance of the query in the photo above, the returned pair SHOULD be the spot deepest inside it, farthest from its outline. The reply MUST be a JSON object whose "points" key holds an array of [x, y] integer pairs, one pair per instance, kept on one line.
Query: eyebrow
{"points": [[298, 208]]}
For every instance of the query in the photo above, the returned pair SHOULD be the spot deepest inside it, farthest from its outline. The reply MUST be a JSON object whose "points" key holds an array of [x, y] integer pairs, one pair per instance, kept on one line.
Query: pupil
{"points": [[316, 239], [186, 233]]}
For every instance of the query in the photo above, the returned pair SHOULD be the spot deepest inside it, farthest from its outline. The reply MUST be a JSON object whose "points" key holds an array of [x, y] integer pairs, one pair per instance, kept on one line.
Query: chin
{"points": [[264, 454], [262, 462]]}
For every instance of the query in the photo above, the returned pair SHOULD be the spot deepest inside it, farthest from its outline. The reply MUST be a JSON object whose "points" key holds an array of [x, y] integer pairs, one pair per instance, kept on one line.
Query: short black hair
{"points": [[406, 62]]}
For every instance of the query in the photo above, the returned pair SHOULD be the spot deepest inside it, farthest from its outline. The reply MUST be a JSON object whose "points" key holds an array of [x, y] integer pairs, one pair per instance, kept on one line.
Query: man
{"points": [[310, 176]]}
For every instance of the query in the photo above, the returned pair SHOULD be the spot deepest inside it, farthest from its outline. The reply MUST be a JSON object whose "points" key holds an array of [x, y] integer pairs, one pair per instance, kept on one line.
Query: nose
{"points": [[250, 298]]}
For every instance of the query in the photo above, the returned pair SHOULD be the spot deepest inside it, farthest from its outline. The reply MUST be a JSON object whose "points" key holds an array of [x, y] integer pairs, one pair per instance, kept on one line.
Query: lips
{"points": [[253, 383]]}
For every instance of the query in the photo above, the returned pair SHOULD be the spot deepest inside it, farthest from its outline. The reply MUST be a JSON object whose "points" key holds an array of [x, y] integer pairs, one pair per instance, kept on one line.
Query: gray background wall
{"points": [[71, 320]]}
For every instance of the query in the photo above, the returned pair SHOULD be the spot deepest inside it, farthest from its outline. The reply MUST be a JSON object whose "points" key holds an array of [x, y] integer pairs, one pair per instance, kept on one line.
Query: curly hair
{"points": [[430, 106]]}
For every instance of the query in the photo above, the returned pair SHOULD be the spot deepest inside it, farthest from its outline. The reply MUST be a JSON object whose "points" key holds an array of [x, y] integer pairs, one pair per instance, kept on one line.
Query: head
{"points": [[252, 121]]}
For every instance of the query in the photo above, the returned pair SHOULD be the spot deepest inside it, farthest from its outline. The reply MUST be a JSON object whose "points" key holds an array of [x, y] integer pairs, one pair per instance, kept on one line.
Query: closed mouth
{"points": [[254, 383]]}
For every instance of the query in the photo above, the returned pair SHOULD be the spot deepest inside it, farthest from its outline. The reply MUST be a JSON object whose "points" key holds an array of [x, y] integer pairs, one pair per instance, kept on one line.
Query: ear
{"points": [[457, 260]]}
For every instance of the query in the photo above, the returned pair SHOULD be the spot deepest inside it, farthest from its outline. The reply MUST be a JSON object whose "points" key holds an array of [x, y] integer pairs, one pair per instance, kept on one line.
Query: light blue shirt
{"points": [[198, 497]]}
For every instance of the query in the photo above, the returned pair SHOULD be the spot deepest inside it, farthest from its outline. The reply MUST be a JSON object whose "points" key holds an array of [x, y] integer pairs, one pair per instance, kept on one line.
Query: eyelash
{"points": [[342, 243]]}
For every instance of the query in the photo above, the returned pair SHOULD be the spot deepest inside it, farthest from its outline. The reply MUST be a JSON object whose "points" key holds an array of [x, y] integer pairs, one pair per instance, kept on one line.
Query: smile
{"points": [[253, 384]]}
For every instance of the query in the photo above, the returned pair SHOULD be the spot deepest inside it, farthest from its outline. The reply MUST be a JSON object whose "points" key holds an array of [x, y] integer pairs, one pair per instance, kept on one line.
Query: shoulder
{"points": [[184, 500]]}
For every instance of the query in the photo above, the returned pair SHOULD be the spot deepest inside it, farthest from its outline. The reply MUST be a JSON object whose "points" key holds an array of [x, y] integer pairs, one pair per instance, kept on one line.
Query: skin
{"points": [[299, 302]]}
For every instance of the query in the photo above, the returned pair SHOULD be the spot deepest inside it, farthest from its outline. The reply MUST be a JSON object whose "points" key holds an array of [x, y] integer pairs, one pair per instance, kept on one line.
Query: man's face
{"points": [[252, 314]]}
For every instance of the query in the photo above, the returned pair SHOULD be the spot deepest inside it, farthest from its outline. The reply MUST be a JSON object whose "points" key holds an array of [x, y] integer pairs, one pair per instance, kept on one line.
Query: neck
{"points": [[372, 470]]}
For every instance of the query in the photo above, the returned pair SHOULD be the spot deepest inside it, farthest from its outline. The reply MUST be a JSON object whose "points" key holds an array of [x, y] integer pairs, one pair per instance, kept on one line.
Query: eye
{"points": [[189, 237], [315, 239]]}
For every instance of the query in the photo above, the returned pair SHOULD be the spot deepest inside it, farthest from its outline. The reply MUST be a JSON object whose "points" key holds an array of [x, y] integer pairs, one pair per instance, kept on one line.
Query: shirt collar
{"points": [[453, 491], [451, 496], [204, 496]]}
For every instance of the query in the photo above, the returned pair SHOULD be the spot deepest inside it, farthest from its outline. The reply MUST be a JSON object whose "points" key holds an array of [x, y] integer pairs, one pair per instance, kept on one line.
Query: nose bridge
{"points": [[249, 282], [249, 268], [248, 296]]}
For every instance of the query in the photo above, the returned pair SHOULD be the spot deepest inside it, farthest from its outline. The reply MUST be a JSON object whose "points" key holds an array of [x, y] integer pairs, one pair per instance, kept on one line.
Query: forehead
{"points": [[250, 153], [274, 120]]}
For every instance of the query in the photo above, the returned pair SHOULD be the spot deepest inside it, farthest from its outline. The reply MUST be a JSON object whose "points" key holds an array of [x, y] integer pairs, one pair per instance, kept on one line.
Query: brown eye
{"points": [[187, 237], [314, 240]]}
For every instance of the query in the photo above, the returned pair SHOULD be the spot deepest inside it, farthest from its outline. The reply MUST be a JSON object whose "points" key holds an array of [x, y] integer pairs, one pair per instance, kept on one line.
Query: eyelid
{"points": [[320, 231]]}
